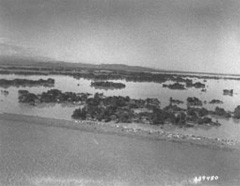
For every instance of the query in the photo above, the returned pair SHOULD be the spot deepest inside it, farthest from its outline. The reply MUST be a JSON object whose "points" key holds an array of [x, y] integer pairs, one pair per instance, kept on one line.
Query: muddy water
{"points": [[37, 155]]}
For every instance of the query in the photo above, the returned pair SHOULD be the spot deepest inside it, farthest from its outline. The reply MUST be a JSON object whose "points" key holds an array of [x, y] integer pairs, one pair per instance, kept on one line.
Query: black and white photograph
{"points": [[119, 92]]}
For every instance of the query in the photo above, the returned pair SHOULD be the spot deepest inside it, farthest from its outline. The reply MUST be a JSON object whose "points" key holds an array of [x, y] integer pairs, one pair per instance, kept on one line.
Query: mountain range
{"points": [[46, 62]]}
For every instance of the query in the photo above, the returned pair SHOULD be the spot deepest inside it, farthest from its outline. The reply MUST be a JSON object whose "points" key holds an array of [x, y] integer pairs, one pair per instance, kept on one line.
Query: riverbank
{"points": [[43, 151], [139, 131]]}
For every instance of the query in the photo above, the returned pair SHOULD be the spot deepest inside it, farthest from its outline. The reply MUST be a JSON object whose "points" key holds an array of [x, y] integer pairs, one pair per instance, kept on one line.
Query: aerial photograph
{"points": [[119, 93]]}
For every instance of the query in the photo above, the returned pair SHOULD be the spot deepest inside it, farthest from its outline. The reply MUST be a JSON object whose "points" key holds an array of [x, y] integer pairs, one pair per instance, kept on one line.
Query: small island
{"points": [[193, 101], [176, 86], [228, 92], [26, 82], [221, 112], [196, 85], [175, 101], [52, 96], [236, 113], [216, 101], [107, 85]]}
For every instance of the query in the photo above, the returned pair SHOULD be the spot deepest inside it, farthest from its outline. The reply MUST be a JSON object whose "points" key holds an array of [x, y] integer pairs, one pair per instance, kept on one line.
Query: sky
{"points": [[189, 35]]}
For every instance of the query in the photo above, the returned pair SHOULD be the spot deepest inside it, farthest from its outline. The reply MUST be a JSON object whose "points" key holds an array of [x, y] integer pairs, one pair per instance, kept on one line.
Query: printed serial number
{"points": [[199, 179]]}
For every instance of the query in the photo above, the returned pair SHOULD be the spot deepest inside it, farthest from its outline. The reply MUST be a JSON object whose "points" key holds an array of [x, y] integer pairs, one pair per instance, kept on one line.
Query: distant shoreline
{"points": [[30, 63], [122, 130], [44, 68]]}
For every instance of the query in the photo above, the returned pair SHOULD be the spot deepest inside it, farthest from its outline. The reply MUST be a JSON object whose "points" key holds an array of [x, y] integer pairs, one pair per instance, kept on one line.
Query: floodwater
{"points": [[230, 128], [37, 155]]}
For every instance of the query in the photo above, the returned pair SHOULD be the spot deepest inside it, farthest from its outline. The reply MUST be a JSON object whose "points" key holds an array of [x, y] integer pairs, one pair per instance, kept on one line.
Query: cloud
{"points": [[8, 49], [3, 40], [170, 34]]}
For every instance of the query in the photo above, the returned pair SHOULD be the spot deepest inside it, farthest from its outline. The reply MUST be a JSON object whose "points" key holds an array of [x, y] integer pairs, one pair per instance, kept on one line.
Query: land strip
{"points": [[128, 130]]}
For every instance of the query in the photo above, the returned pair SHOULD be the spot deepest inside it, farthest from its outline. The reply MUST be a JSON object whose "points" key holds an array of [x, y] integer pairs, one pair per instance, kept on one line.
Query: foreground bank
{"points": [[43, 152], [123, 129]]}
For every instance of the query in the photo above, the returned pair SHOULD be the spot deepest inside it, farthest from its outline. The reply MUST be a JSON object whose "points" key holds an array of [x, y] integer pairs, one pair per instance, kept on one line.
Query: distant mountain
{"points": [[28, 61], [22, 60], [125, 67], [46, 62]]}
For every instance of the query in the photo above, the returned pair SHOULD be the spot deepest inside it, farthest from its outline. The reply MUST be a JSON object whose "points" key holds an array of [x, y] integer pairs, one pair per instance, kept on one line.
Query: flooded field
{"points": [[119, 93], [230, 128]]}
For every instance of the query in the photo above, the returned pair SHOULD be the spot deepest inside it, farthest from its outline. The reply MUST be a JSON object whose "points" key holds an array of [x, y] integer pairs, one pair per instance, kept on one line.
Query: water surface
{"points": [[230, 128]]}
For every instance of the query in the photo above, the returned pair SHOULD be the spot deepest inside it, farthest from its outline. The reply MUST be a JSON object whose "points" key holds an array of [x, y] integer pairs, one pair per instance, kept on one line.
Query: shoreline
{"points": [[122, 129]]}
